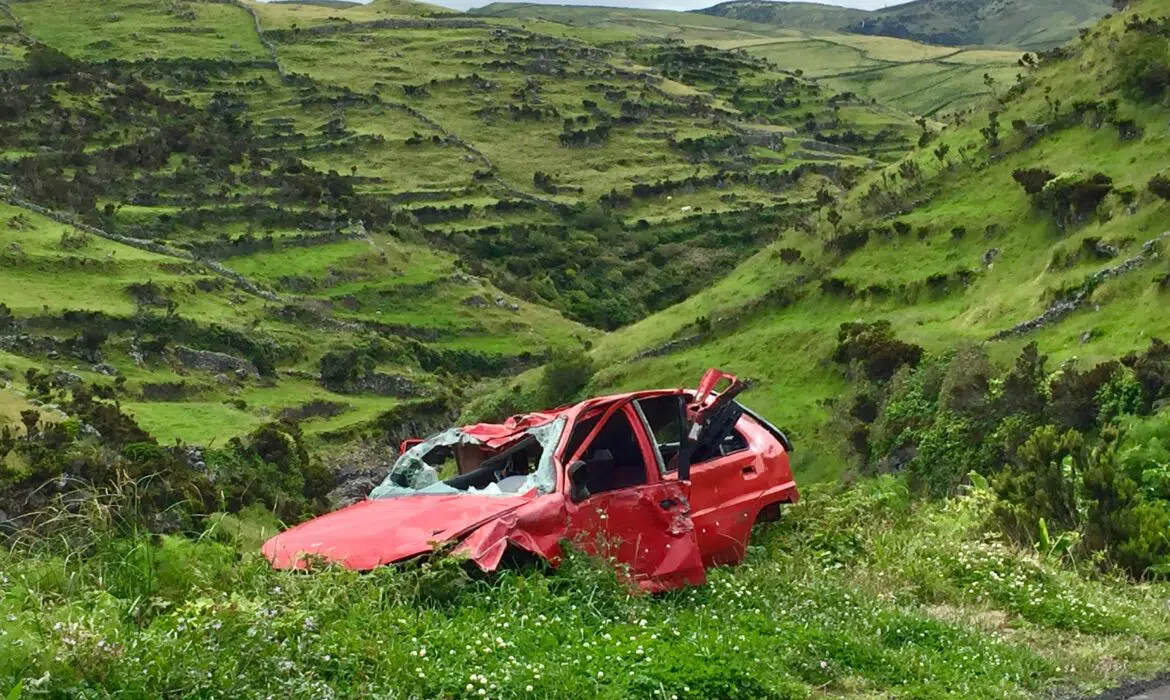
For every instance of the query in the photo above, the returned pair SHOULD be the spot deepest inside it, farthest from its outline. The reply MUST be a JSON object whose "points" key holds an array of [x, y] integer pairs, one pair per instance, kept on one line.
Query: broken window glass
{"points": [[455, 462]]}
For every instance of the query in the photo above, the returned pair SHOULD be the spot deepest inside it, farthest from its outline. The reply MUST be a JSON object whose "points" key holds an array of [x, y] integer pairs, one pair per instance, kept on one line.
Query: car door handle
{"points": [[749, 470], [668, 503]]}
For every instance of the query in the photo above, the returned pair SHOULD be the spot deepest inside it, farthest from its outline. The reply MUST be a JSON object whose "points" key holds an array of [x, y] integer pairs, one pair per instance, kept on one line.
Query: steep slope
{"points": [[914, 77], [951, 250], [1024, 23], [387, 207]]}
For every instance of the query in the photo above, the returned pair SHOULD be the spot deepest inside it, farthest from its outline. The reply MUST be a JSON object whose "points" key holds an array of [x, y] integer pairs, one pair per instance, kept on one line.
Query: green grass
{"points": [[1033, 24], [787, 349], [132, 30], [855, 595], [914, 77]]}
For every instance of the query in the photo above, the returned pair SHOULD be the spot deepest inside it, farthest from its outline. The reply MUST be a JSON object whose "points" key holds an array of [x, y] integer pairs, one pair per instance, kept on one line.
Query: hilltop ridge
{"points": [[1030, 24]]}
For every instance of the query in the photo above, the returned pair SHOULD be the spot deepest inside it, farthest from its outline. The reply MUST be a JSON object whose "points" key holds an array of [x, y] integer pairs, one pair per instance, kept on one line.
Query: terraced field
{"points": [[918, 78], [235, 197]]}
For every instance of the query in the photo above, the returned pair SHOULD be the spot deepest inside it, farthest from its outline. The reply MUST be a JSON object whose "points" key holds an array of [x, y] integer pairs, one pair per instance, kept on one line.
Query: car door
{"points": [[723, 484], [619, 508], [726, 498]]}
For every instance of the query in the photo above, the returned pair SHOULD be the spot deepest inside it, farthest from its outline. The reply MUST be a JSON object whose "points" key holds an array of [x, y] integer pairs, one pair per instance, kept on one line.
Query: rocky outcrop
{"points": [[388, 385], [671, 347], [218, 362], [1061, 308]]}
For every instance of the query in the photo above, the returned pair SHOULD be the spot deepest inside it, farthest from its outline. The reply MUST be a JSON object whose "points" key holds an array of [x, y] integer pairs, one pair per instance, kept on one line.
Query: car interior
{"points": [[508, 470], [612, 461], [666, 418]]}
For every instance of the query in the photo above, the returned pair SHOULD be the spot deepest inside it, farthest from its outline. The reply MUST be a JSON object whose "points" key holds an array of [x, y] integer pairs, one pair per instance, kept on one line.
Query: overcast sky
{"points": [[651, 4]]}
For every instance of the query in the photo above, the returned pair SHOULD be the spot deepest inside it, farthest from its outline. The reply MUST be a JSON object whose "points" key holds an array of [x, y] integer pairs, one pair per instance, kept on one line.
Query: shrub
{"points": [[1042, 483], [1159, 185], [1127, 488], [567, 372], [965, 385], [1072, 197], [340, 368], [1024, 388], [1144, 65], [1151, 369], [47, 62], [874, 346], [1033, 179], [947, 451], [1074, 402]]}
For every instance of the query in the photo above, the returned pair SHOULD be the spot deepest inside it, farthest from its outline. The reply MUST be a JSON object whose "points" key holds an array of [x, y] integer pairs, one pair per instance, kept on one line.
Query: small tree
{"points": [[991, 131], [941, 153], [30, 418]]}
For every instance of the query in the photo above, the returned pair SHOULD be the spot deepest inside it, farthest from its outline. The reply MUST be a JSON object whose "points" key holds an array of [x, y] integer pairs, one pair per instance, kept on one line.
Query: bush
{"points": [[1151, 370], [874, 347], [1073, 403], [341, 368], [1042, 483], [947, 451], [47, 62], [1159, 185], [1033, 179], [272, 467], [1072, 197], [1024, 390], [1144, 65], [1127, 485], [567, 372]]}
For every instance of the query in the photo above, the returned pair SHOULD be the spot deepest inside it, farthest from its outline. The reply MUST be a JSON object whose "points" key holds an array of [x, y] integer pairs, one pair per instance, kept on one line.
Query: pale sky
{"points": [[649, 4]]}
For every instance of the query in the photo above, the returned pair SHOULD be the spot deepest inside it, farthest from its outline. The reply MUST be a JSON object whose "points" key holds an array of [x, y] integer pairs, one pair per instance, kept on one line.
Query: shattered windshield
{"points": [[454, 462]]}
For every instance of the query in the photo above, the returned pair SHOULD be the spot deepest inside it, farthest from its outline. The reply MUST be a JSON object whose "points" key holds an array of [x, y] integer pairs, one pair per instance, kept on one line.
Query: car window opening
{"points": [[614, 460], [455, 462]]}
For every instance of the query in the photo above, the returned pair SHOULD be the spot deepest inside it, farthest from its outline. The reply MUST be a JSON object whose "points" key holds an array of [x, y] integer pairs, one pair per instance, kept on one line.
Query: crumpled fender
{"points": [[537, 528]]}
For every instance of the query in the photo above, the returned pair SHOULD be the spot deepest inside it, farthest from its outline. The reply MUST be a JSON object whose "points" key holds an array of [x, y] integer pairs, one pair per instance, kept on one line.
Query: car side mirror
{"points": [[578, 491]]}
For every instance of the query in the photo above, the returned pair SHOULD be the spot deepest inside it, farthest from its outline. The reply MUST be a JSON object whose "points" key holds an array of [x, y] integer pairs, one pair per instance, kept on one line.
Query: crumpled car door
{"points": [[647, 528], [710, 417]]}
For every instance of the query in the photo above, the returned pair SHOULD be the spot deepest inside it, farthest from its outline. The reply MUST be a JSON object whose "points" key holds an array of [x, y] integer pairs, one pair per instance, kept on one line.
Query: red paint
{"points": [[663, 529]]}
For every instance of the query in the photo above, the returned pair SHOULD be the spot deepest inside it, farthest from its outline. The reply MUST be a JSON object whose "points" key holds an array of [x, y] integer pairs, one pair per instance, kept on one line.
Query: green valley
{"points": [[247, 249]]}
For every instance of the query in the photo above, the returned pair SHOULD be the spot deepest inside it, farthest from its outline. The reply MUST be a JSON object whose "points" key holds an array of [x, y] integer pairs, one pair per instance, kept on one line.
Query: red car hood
{"points": [[376, 532]]}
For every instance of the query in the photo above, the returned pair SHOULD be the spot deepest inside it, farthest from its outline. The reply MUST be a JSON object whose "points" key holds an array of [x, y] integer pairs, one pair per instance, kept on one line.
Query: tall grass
{"points": [[858, 593]]}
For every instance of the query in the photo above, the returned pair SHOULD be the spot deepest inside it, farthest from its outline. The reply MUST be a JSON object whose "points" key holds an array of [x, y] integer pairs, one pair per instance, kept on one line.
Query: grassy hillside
{"points": [[298, 250], [430, 200], [985, 256], [1024, 23], [911, 76]]}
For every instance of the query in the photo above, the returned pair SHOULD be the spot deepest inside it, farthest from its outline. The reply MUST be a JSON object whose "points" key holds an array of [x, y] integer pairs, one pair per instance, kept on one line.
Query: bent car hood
{"points": [[376, 532]]}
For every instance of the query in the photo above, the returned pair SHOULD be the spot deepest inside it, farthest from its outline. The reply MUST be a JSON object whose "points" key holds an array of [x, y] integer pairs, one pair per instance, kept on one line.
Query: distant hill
{"points": [[1024, 23], [336, 4], [907, 75]]}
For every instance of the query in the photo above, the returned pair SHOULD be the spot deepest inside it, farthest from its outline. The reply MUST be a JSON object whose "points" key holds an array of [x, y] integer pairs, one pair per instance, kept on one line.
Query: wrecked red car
{"points": [[667, 482]]}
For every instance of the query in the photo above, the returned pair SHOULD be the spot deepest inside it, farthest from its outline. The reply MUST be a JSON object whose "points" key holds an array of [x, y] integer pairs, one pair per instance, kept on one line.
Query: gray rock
{"points": [[388, 385], [218, 362], [66, 378]]}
